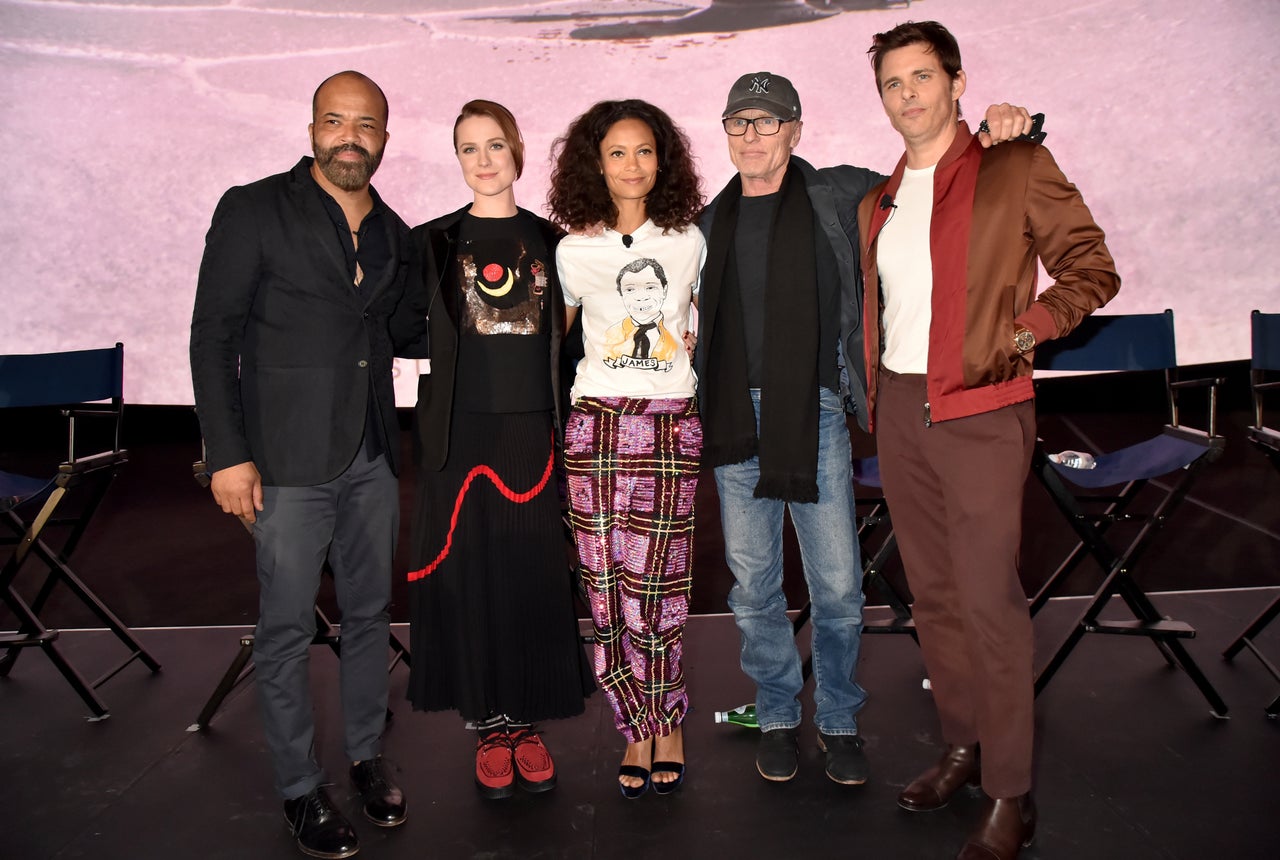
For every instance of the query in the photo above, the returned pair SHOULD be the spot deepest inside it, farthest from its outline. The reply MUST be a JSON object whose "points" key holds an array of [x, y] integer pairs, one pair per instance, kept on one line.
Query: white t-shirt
{"points": [[634, 313], [907, 274]]}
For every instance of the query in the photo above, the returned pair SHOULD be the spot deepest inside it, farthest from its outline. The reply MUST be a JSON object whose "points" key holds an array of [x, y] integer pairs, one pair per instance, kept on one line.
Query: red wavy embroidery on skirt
{"points": [[486, 471]]}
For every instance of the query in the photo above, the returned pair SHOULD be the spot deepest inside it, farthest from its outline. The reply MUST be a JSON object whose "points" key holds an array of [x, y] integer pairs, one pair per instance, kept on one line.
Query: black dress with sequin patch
{"points": [[493, 624]]}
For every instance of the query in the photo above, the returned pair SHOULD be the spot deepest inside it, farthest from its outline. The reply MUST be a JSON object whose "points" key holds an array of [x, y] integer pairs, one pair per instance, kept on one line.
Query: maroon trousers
{"points": [[955, 494]]}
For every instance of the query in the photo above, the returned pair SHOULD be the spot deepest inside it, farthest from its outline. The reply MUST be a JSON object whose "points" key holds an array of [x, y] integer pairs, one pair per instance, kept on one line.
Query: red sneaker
{"points": [[495, 768], [535, 770]]}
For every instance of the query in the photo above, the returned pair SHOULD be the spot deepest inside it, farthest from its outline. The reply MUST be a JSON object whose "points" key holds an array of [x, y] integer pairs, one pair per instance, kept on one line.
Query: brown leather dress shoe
{"points": [[933, 789], [1007, 825]]}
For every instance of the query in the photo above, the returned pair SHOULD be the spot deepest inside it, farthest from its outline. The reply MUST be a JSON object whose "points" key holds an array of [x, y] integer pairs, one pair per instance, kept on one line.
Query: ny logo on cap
{"points": [[759, 85]]}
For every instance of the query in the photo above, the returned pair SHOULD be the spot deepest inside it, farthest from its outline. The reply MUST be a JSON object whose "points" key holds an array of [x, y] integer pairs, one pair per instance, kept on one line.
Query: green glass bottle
{"points": [[744, 716]]}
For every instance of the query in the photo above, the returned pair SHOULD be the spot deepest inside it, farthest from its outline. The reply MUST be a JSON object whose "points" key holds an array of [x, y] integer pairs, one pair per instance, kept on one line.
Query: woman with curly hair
{"points": [[494, 634], [624, 186]]}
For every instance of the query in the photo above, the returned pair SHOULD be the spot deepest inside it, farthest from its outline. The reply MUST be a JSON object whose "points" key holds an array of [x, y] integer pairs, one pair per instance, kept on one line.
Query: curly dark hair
{"points": [[579, 197]]}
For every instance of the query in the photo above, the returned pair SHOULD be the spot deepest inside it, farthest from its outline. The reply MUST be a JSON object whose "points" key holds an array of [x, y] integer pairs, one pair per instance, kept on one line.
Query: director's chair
{"points": [[1264, 373], [879, 544], [87, 384], [239, 670], [1133, 342]]}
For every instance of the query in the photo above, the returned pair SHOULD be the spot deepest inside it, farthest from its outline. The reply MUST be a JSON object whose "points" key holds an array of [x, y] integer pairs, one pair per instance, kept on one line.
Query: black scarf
{"points": [[788, 441]]}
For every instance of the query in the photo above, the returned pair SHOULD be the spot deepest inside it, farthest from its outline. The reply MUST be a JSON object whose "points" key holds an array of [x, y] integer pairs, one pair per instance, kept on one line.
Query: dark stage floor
{"points": [[1130, 763]]}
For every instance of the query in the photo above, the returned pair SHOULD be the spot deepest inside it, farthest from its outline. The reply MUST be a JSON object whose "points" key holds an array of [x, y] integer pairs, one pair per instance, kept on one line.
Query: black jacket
{"points": [[835, 193], [424, 327], [284, 350]]}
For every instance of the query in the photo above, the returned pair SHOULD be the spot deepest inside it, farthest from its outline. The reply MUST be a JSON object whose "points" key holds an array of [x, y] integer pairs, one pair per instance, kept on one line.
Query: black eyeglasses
{"points": [[764, 125]]}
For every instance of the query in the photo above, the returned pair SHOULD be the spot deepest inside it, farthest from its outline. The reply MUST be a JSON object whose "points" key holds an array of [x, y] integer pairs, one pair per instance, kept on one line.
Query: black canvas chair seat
{"points": [[1265, 364], [866, 472], [47, 514], [18, 490], [1133, 343], [1173, 449]]}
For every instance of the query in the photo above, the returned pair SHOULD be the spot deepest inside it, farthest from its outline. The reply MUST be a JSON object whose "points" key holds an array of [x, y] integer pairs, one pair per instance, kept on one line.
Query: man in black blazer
{"points": [[291, 363]]}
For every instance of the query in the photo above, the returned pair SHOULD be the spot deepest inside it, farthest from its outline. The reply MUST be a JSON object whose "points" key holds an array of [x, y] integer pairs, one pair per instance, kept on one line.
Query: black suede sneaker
{"points": [[320, 829], [777, 757], [846, 762]]}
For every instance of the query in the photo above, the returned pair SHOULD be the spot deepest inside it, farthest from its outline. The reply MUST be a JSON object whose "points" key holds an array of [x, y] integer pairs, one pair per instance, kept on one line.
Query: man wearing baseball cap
{"points": [[780, 313]]}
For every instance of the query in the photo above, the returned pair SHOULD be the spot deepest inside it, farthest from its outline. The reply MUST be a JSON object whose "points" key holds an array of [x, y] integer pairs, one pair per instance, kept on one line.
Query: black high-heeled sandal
{"points": [[668, 767], [633, 792]]}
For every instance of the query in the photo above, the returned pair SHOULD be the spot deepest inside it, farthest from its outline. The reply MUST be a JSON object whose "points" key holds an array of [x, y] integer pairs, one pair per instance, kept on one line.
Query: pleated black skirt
{"points": [[493, 627]]}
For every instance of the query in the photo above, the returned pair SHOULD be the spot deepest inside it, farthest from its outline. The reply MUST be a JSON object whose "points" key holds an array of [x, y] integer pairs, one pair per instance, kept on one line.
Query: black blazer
{"points": [[285, 351], [424, 327]]}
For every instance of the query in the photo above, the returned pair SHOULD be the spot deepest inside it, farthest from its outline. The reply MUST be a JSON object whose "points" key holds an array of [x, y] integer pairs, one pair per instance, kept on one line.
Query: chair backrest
{"points": [[1119, 342], [56, 378], [1266, 341]]}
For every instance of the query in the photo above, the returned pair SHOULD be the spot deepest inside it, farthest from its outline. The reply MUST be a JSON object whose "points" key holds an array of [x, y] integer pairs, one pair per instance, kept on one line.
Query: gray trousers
{"points": [[353, 520]]}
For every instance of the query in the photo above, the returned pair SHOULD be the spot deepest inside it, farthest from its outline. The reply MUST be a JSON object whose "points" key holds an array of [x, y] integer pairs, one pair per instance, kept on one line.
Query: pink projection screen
{"points": [[126, 120]]}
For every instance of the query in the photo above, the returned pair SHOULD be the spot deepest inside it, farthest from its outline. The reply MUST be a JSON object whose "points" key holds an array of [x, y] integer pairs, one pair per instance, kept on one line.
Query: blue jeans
{"points": [[827, 534]]}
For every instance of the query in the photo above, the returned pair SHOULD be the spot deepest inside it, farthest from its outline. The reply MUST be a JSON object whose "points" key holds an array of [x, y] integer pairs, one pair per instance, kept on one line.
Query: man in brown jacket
{"points": [[949, 244]]}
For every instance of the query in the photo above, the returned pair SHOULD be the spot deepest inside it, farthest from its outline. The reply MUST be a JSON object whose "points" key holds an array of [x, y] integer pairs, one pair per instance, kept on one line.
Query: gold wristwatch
{"points": [[1023, 341]]}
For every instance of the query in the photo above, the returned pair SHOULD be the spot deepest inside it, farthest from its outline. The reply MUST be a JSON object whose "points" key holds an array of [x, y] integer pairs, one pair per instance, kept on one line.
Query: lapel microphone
{"points": [[627, 240]]}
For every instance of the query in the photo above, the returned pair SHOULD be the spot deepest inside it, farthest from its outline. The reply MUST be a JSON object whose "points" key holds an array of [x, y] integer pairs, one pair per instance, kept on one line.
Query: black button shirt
{"points": [[374, 252], [373, 256]]}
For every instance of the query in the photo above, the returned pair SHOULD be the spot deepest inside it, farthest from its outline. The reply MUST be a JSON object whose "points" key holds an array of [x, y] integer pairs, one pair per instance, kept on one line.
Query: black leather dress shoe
{"points": [[320, 829], [383, 801], [933, 789], [1007, 825]]}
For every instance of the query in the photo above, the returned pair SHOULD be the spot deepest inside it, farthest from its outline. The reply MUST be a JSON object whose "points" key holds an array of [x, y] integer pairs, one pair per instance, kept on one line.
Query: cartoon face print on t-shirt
{"points": [[641, 340]]}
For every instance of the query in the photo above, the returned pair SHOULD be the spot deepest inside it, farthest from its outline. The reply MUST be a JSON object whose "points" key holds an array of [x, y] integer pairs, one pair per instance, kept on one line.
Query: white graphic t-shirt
{"points": [[635, 309]]}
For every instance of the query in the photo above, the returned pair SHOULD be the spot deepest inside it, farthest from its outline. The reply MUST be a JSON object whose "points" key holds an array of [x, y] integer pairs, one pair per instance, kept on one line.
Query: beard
{"points": [[347, 175]]}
